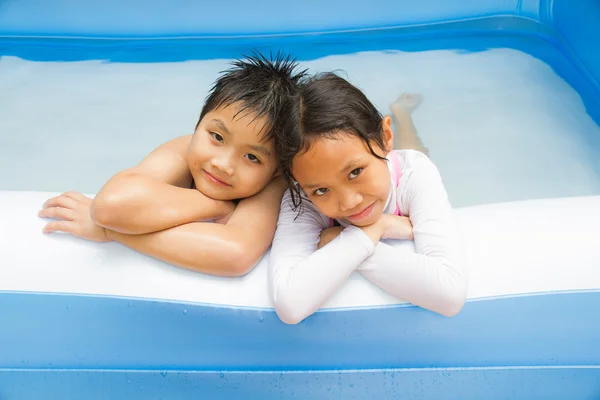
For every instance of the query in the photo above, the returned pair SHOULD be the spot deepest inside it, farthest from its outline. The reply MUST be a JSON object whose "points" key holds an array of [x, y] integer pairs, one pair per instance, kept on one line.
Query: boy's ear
{"points": [[388, 133]]}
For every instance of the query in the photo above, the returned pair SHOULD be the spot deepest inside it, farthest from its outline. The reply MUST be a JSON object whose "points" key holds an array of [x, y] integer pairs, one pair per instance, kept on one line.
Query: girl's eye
{"points": [[355, 172], [217, 137], [320, 191], [252, 158]]}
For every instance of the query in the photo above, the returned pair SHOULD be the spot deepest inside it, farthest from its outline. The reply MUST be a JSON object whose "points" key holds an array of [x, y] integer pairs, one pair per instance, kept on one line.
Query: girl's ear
{"points": [[388, 133]]}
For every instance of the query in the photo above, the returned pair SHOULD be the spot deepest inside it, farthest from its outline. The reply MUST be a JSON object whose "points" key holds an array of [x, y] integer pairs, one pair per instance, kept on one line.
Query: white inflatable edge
{"points": [[515, 248]]}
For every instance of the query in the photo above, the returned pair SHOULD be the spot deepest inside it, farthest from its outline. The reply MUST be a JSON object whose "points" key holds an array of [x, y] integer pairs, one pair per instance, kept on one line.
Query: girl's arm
{"points": [[301, 276], [435, 277]]}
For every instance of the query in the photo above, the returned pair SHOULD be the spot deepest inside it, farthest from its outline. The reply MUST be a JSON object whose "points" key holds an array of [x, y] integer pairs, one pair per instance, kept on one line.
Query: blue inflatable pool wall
{"points": [[562, 33], [71, 346]]}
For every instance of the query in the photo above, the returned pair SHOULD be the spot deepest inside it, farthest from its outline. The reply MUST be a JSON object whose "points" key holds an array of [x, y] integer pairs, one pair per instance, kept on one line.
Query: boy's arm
{"points": [[155, 194], [230, 249]]}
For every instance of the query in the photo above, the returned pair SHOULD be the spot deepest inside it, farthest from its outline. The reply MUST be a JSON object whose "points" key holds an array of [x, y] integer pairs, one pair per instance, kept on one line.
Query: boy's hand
{"points": [[276, 185], [72, 210], [228, 208], [327, 235]]}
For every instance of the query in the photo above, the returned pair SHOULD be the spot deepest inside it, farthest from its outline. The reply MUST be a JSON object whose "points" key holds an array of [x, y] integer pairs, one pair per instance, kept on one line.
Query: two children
{"points": [[210, 201]]}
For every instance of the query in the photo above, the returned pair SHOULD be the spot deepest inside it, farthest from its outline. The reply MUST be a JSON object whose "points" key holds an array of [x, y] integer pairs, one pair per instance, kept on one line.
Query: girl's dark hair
{"points": [[325, 106]]}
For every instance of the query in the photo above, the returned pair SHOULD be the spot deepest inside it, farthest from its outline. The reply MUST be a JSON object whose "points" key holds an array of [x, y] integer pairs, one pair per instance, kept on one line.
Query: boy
{"points": [[226, 172]]}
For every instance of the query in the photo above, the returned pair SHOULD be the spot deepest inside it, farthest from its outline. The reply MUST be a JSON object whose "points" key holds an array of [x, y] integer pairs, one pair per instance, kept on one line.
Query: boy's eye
{"points": [[217, 137], [355, 172], [252, 158], [320, 191]]}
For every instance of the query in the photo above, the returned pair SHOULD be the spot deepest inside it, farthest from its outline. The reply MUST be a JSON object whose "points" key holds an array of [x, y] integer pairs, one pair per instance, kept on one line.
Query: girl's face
{"points": [[343, 179]]}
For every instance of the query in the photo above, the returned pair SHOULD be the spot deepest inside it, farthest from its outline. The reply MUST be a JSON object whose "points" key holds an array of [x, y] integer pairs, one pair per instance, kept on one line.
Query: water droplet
{"points": [[69, 307], [352, 385], [164, 373], [260, 319], [202, 315], [128, 380], [184, 312], [222, 375]]}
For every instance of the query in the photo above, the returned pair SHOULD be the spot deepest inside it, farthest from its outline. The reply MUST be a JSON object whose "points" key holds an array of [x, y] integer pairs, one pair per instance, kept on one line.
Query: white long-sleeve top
{"points": [[302, 277]]}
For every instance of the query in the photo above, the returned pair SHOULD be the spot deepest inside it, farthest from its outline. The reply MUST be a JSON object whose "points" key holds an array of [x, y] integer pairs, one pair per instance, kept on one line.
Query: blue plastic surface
{"points": [[539, 383], [578, 22], [177, 18], [99, 332], [533, 347], [76, 344], [138, 31]]}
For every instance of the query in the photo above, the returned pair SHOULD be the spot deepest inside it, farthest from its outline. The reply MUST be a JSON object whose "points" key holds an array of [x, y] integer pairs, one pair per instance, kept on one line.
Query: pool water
{"points": [[500, 124]]}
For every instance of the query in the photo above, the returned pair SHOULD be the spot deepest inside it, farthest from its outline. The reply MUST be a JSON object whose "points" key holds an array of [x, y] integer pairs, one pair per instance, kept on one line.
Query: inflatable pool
{"points": [[97, 321]]}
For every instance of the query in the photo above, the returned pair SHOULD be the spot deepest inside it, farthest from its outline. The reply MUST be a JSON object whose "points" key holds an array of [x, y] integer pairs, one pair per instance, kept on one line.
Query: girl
{"points": [[348, 190]]}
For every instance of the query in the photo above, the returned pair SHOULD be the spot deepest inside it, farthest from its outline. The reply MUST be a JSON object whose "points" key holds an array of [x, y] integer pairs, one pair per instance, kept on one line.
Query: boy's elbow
{"points": [[113, 203], [106, 209], [240, 260], [245, 255]]}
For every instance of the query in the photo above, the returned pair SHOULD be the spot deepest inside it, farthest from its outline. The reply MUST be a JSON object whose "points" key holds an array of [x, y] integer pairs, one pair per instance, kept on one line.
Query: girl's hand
{"points": [[397, 227], [389, 227], [327, 235], [386, 227], [72, 212]]}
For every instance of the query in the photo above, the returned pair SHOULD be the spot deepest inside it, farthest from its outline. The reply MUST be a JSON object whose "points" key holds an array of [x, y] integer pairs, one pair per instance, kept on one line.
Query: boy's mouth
{"points": [[211, 178]]}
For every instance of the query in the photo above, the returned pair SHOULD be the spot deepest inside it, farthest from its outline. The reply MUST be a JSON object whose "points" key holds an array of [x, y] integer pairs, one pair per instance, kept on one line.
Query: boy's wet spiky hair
{"points": [[259, 85]]}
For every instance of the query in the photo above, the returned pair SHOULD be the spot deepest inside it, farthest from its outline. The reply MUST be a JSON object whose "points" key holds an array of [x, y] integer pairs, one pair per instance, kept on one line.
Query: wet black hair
{"points": [[325, 106], [261, 86]]}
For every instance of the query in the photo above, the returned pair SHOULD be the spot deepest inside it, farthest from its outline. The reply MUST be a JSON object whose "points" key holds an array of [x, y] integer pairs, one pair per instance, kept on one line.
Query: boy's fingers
{"points": [[60, 201], [58, 213], [74, 195], [60, 226]]}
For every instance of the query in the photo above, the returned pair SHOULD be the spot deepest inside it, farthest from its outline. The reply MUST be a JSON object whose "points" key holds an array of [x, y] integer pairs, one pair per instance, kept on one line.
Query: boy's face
{"points": [[228, 157]]}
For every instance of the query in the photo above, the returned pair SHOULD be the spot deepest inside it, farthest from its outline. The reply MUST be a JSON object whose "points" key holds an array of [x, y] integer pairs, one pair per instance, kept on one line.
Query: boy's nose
{"points": [[223, 164]]}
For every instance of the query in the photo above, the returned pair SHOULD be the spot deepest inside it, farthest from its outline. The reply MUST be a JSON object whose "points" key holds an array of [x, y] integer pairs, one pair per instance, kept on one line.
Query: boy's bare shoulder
{"points": [[178, 145], [168, 162]]}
